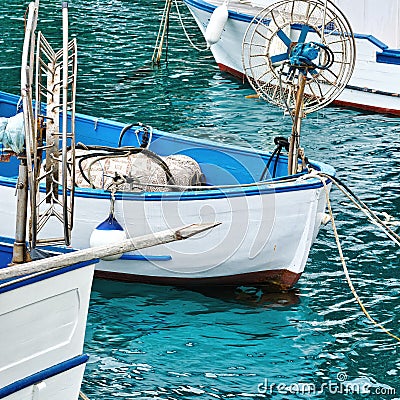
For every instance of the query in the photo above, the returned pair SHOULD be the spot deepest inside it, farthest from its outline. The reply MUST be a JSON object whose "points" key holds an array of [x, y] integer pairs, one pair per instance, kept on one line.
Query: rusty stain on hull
{"points": [[274, 280]]}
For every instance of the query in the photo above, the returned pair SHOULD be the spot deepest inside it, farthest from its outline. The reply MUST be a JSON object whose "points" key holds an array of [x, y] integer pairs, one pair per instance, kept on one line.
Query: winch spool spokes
{"points": [[298, 47]]}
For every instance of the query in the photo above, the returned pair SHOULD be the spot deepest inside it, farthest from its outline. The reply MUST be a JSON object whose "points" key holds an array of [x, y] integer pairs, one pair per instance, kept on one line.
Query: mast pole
{"points": [[20, 251], [67, 235], [295, 137]]}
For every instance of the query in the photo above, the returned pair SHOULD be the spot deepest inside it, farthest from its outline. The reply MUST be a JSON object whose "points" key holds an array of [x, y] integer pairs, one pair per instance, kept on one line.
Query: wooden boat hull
{"points": [[266, 231], [262, 239]]}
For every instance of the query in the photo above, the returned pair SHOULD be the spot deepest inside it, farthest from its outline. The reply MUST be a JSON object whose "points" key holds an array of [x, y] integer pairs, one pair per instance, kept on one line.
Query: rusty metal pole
{"points": [[295, 137], [20, 251]]}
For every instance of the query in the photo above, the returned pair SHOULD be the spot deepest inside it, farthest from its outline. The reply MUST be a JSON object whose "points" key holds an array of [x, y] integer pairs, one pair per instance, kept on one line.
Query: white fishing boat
{"points": [[44, 303], [267, 226], [132, 180], [43, 322], [43, 312], [375, 84], [43, 308]]}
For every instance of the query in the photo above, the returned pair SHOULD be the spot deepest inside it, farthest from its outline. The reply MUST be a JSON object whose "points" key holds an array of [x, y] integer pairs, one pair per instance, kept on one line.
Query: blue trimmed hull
{"points": [[266, 231], [43, 320]]}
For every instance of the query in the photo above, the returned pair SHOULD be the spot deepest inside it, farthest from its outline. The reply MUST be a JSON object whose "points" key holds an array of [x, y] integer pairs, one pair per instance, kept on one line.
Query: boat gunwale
{"points": [[9, 285], [256, 188], [235, 15], [40, 376], [275, 185]]}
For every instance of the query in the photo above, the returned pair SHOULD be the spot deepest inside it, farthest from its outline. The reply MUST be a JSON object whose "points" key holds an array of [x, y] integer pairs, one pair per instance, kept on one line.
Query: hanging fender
{"points": [[108, 232], [216, 25]]}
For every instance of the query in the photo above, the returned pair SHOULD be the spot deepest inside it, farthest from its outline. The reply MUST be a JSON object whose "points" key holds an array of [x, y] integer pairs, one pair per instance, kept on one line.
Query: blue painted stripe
{"points": [[138, 257], [371, 39], [47, 275], [217, 194], [389, 56], [42, 375], [6, 247], [285, 39]]}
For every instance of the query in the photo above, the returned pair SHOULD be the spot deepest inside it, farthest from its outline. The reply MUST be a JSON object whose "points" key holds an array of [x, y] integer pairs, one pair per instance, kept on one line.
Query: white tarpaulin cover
{"points": [[12, 133]]}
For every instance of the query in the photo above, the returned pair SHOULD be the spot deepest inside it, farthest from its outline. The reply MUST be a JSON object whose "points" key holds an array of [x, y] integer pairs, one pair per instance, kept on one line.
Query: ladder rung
{"points": [[50, 241], [45, 88], [46, 146], [45, 117]]}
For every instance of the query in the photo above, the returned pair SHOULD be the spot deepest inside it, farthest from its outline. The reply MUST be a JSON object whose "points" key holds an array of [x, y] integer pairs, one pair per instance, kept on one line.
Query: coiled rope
{"points": [[373, 218]]}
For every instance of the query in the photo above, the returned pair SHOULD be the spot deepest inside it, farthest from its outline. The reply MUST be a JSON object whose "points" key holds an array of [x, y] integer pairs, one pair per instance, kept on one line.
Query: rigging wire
{"points": [[324, 21], [393, 236]]}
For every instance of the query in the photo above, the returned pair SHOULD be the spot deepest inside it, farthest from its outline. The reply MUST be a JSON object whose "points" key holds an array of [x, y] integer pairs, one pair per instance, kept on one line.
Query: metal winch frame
{"points": [[48, 91]]}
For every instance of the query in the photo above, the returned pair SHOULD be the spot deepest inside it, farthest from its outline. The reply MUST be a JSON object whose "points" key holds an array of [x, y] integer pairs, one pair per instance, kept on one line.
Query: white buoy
{"points": [[216, 25], [108, 232]]}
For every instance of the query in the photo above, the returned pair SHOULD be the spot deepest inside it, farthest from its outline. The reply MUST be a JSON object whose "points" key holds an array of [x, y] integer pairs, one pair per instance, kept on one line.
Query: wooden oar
{"points": [[141, 242]]}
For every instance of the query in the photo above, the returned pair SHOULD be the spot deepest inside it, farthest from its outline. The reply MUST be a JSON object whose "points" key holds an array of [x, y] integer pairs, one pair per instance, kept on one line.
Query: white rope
{"points": [[83, 396], [184, 29], [161, 33], [371, 215], [346, 271]]}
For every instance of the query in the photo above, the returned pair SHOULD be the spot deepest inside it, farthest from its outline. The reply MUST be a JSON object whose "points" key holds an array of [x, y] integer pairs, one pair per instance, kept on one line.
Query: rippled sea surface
{"points": [[149, 342]]}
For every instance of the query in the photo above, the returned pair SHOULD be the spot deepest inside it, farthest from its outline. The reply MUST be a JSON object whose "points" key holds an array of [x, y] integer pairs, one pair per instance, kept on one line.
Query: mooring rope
{"points": [[371, 215], [381, 224], [83, 396], [162, 31], [184, 29]]}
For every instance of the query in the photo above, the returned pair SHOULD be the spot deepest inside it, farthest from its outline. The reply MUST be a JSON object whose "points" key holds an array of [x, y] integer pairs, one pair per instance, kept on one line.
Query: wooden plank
{"points": [[124, 246]]}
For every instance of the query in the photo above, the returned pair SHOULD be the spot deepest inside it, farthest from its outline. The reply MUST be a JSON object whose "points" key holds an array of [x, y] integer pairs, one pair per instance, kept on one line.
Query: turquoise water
{"points": [[150, 342]]}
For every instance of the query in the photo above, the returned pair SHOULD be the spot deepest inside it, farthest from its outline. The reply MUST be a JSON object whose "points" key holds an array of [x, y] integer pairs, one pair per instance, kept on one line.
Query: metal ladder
{"points": [[49, 131]]}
